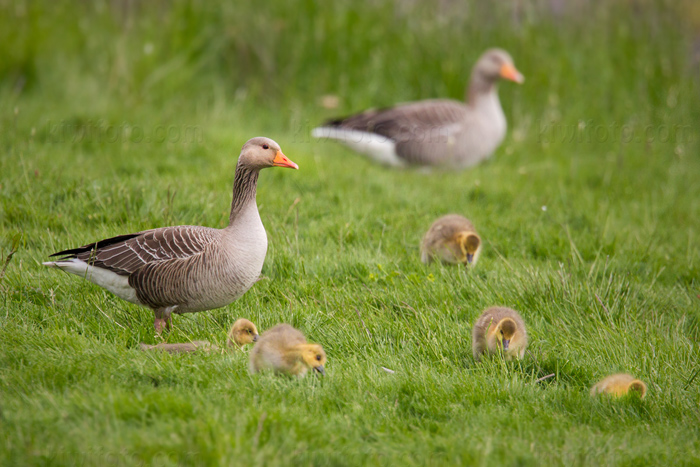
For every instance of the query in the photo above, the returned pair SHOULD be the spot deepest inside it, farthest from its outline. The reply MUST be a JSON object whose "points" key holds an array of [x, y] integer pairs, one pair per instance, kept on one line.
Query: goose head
{"points": [[469, 243], [505, 330], [259, 153], [314, 358], [243, 332], [496, 64]]}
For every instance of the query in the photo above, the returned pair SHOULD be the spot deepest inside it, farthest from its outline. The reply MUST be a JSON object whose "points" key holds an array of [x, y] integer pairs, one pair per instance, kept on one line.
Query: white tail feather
{"points": [[378, 147], [118, 285]]}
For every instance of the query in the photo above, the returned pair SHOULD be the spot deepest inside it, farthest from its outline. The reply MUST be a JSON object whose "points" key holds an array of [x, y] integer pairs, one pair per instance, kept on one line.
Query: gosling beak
{"points": [[281, 160], [255, 338], [470, 258], [320, 369], [509, 72], [505, 344]]}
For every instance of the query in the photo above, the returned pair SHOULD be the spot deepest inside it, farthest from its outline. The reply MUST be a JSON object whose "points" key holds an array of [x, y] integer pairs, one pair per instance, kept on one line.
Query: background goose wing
{"points": [[125, 254], [406, 121]]}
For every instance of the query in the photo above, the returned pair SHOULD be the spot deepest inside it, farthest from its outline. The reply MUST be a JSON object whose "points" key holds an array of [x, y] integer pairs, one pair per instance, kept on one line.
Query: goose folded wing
{"points": [[125, 254], [406, 121]]}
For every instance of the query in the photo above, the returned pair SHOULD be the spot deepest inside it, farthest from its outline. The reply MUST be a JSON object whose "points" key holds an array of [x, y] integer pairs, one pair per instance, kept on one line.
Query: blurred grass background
{"points": [[126, 115]]}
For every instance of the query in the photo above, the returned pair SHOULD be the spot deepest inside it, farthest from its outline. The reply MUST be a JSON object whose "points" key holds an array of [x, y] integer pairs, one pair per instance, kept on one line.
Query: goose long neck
{"points": [[480, 89], [245, 184]]}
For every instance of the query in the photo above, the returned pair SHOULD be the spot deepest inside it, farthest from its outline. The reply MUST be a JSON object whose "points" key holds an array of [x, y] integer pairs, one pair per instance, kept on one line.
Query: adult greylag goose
{"points": [[437, 132], [186, 268], [284, 349], [619, 385], [452, 239], [499, 330]]}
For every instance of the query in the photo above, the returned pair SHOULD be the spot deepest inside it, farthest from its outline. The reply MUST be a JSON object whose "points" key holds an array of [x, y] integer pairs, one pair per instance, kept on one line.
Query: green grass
{"points": [[606, 276]]}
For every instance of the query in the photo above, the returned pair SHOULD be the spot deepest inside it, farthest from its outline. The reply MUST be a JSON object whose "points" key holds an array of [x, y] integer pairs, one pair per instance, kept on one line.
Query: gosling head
{"points": [[469, 243], [639, 387], [314, 357], [505, 331], [243, 332]]}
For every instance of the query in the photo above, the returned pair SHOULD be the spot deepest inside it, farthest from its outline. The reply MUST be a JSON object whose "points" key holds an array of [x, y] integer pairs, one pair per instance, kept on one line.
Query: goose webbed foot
{"points": [[161, 323], [163, 319]]}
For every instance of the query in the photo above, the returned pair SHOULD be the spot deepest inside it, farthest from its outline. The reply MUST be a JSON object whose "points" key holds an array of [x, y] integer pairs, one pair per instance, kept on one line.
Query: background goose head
{"points": [[494, 65], [243, 332], [260, 152]]}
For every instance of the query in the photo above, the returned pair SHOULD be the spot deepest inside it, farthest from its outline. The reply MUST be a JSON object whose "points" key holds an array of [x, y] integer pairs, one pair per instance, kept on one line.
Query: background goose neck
{"points": [[480, 88], [245, 184]]}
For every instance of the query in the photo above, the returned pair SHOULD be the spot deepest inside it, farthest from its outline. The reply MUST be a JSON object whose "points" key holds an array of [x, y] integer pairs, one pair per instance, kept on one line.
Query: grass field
{"points": [[121, 116]]}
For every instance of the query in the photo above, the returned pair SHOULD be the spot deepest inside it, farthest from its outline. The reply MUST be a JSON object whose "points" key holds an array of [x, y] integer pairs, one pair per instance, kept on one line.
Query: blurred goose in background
{"points": [[186, 268], [242, 332], [619, 385], [180, 348], [437, 132], [284, 349], [499, 330], [452, 239]]}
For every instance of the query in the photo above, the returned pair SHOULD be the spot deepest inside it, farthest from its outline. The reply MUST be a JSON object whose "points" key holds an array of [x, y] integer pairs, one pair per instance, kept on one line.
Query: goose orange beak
{"points": [[283, 161], [509, 72]]}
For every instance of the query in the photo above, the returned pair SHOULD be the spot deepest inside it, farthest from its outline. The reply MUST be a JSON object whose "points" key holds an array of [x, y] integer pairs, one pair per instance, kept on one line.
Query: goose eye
{"points": [[318, 357], [265, 146]]}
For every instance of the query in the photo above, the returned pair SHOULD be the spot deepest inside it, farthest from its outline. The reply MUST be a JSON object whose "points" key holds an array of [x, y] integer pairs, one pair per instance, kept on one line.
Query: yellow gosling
{"points": [[499, 330], [242, 332], [285, 350], [452, 239], [619, 385]]}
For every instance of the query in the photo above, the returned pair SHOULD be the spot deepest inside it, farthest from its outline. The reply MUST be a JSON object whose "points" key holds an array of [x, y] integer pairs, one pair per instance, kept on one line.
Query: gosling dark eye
{"points": [[318, 357], [265, 146]]}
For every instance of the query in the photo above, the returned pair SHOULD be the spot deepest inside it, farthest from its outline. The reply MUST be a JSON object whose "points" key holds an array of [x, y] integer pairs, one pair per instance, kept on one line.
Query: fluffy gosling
{"points": [[180, 348], [284, 349], [242, 332], [452, 239], [619, 385], [497, 330]]}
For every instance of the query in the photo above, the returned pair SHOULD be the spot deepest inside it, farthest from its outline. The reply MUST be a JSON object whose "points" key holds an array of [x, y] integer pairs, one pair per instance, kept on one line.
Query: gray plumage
{"points": [[436, 132], [186, 268]]}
